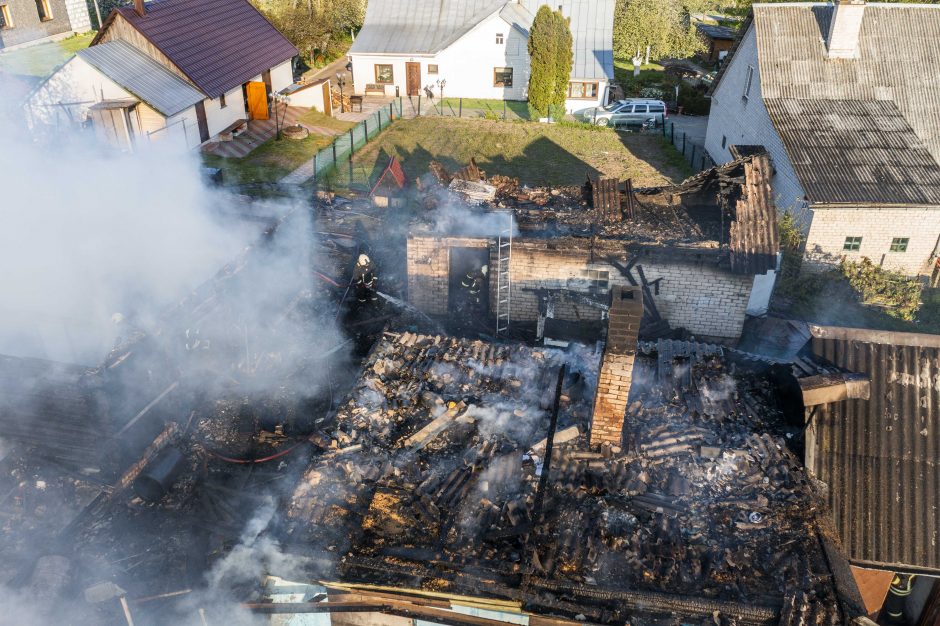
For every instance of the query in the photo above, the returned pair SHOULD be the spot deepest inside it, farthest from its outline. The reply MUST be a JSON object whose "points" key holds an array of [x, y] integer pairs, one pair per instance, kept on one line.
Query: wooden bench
{"points": [[233, 130], [354, 101], [375, 89]]}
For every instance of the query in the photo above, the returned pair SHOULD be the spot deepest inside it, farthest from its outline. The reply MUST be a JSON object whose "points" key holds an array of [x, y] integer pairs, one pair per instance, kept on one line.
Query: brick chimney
{"points": [[139, 7], [616, 375], [846, 23]]}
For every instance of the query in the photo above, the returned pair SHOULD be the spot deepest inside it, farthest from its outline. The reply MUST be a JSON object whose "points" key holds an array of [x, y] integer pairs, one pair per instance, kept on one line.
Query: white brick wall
{"points": [[876, 227], [78, 15], [734, 120]]}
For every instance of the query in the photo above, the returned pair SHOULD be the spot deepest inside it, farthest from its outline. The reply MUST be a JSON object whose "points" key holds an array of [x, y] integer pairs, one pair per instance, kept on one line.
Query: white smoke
{"points": [[87, 233]]}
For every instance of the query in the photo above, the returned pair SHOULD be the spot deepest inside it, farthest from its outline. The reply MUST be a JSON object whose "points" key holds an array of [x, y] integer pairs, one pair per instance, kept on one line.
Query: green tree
{"points": [[662, 28], [551, 54], [564, 60], [542, 54]]}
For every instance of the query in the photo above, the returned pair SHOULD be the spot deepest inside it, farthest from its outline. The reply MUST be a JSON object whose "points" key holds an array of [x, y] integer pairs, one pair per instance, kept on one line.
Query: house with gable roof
{"points": [[181, 69], [477, 48], [843, 98]]}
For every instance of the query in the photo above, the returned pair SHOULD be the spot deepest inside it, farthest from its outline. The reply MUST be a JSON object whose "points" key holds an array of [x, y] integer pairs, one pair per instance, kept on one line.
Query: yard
{"points": [[40, 60], [274, 159], [536, 154]]}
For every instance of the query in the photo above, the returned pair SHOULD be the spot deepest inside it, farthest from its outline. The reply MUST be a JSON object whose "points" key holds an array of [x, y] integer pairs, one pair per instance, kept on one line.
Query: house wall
{"points": [[282, 76], [219, 118], [78, 15], [182, 127], [876, 227], [27, 26], [467, 65], [735, 120], [695, 294], [80, 86]]}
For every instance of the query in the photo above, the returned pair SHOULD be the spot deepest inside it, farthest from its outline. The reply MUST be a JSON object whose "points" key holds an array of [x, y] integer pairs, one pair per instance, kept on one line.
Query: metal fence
{"points": [[421, 106], [695, 154], [340, 152]]}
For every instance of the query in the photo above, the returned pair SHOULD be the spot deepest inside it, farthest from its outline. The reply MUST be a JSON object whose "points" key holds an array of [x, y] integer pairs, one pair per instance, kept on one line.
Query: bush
{"points": [[693, 100], [898, 294], [653, 93]]}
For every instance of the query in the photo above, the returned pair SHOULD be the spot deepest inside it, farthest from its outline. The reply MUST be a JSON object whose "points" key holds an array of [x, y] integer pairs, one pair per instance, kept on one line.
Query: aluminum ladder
{"points": [[504, 277]]}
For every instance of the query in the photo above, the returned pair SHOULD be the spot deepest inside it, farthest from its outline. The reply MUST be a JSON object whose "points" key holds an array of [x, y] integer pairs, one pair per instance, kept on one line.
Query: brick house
{"points": [[28, 22], [839, 96], [704, 273]]}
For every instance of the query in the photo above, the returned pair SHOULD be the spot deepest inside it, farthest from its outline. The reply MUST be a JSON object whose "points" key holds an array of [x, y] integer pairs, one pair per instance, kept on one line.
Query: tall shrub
{"points": [[543, 55], [564, 60]]}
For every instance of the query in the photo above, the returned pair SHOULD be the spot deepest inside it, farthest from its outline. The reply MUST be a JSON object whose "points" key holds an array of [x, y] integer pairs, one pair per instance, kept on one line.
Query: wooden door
{"points": [[413, 78], [327, 99], [257, 101], [203, 124]]}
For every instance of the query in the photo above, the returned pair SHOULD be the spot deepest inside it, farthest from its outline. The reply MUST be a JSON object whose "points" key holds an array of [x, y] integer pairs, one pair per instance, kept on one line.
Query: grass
{"points": [[273, 160], [513, 108], [536, 154], [40, 60]]}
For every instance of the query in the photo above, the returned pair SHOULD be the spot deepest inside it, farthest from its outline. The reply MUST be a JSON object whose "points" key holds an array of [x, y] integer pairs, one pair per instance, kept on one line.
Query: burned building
{"points": [[704, 251]]}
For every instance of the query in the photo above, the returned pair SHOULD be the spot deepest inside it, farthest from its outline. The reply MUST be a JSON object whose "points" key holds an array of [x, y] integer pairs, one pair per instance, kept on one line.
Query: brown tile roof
{"points": [[218, 44]]}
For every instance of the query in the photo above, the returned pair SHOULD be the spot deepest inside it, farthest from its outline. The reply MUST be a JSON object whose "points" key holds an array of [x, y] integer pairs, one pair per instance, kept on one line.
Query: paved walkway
{"points": [[694, 127], [259, 131]]}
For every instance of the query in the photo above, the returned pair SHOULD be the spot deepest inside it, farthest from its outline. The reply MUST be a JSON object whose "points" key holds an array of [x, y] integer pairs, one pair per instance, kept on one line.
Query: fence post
{"points": [[401, 106], [352, 141], [315, 168], [391, 111], [365, 123], [504, 109], [461, 108], [419, 105], [683, 143], [692, 156], [334, 153]]}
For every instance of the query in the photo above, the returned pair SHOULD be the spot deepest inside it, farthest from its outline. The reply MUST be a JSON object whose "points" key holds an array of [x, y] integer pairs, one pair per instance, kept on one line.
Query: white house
{"points": [[478, 48], [181, 69], [843, 97]]}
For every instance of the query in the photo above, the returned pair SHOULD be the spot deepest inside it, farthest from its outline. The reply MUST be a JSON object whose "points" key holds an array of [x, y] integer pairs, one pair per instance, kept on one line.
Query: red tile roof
{"points": [[218, 44]]}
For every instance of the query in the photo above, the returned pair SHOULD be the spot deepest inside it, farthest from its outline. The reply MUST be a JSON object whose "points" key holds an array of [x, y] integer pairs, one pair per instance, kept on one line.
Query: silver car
{"points": [[632, 112]]}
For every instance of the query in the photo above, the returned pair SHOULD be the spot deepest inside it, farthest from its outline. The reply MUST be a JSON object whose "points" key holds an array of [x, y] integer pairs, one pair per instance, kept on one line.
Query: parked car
{"points": [[629, 112]]}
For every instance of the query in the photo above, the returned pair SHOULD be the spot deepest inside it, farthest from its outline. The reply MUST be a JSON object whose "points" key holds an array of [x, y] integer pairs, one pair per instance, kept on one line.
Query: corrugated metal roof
{"points": [[142, 76], [218, 44], [856, 151], [881, 457], [429, 26], [419, 26], [899, 45]]}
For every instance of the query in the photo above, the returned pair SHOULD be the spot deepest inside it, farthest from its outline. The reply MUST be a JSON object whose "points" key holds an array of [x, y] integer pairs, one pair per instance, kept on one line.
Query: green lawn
{"points": [[536, 154], [479, 107], [40, 60], [274, 159]]}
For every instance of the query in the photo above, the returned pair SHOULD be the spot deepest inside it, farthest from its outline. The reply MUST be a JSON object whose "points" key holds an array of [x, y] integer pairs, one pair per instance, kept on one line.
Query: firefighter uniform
{"points": [[365, 280], [473, 284]]}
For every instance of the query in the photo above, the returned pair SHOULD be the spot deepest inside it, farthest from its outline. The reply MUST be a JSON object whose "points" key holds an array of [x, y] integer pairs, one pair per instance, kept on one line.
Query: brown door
{"points": [[413, 78], [257, 101], [327, 99], [203, 124]]}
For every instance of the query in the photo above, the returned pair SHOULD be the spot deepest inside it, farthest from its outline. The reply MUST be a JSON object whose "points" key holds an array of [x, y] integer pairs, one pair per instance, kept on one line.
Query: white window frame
{"points": [[7, 17], [748, 80]]}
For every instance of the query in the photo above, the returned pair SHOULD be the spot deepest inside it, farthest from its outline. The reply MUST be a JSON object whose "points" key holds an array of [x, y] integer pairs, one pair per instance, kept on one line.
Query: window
{"points": [[657, 108], [499, 39], [598, 280], [45, 13], [432, 69], [852, 244], [384, 74], [6, 19], [222, 104], [899, 244], [582, 91], [502, 77], [747, 82], [640, 108]]}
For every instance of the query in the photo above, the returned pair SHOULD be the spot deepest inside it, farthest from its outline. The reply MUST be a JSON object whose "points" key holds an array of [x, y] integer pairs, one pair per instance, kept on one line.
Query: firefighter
{"points": [[901, 587], [473, 283], [365, 280]]}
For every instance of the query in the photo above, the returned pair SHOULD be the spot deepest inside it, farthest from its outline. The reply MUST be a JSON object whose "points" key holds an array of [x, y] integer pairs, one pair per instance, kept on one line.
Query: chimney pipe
{"points": [[139, 7], [844, 28]]}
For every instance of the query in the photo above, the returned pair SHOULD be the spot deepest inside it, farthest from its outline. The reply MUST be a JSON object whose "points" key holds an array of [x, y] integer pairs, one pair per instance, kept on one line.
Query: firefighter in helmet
{"points": [[365, 280], [473, 284]]}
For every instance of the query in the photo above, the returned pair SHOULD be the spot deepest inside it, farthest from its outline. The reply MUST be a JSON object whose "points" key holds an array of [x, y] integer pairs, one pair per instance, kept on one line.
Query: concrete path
{"points": [[694, 127]]}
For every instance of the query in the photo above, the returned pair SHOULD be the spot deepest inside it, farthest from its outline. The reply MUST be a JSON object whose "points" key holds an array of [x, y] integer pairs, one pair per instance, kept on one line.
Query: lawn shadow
{"points": [[656, 151]]}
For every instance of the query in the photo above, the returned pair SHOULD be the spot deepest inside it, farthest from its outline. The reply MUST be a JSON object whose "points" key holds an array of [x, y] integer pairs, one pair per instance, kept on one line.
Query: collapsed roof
{"points": [[437, 478]]}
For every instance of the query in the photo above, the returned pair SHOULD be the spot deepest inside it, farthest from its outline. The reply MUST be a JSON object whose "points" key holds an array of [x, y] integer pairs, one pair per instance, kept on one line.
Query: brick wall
{"points": [[694, 292], [877, 227], [428, 261], [616, 375]]}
